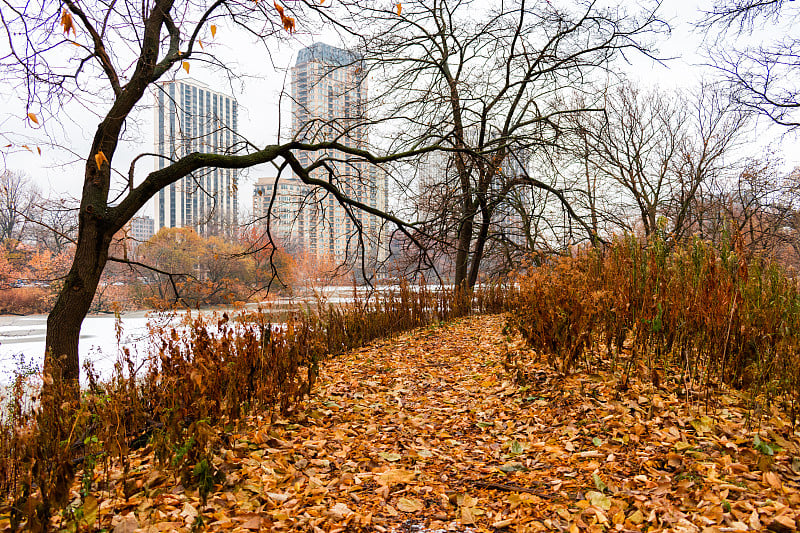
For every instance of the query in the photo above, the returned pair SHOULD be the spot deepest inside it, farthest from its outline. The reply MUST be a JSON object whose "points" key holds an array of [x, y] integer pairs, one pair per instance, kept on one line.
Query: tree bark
{"points": [[477, 256], [462, 252], [73, 302]]}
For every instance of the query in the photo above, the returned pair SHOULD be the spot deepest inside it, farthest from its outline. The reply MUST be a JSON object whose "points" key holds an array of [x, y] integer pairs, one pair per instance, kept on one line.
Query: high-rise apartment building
{"points": [[190, 117], [329, 93], [142, 228], [287, 206]]}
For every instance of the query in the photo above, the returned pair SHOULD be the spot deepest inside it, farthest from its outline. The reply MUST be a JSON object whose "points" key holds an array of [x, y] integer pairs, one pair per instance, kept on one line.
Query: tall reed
{"points": [[711, 314]]}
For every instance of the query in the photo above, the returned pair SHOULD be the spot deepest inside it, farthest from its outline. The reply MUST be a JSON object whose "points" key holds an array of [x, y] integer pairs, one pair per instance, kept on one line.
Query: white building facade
{"points": [[190, 117], [286, 222]]}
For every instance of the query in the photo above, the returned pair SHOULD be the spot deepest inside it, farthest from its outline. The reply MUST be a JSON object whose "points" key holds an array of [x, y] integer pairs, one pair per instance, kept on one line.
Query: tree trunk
{"points": [[477, 256], [75, 298], [462, 252]]}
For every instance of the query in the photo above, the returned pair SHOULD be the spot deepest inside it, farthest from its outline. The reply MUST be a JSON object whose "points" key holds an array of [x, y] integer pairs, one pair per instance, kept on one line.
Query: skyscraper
{"points": [[329, 93], [190, 117]]}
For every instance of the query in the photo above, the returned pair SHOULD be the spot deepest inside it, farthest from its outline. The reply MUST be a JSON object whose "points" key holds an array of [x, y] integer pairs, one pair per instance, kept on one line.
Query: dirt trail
{"points": [[428, 432]]}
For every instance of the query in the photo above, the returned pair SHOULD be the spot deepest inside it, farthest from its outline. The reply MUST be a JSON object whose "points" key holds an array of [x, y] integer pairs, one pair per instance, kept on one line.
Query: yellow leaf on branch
{"points": [[201, 44], [99, 159], [399, 8], [33, 118], [39, 149], [67, 23], [186, 66], [213, 30], [287, 21]]}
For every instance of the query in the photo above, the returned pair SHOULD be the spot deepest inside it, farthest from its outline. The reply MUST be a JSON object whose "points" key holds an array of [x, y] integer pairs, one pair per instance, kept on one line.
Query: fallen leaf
{"points": [[782, 523], [598, 483], [516, 447], [409, 505], [341, 510], [637, 517], [754, 522], [254, 524], [188, 512], [773, 480], [89, 510], [391, 477], [467, 516], [703, 424], [512, 467], [129, 524], [599, 500], [391, 456]]}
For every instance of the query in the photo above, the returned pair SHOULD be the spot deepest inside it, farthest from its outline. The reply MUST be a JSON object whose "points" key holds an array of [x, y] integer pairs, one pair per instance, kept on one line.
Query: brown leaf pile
{"points": [[426, 432]]}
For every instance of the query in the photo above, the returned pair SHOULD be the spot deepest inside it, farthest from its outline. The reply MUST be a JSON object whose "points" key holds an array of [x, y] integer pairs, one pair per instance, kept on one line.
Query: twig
{"points": [[509, 488]]}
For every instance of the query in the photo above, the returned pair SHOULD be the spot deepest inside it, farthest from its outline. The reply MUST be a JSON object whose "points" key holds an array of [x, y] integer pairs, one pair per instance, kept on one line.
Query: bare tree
{"points": [[17, 196], [54, 224], [650, 153], [758, 207], [480, 84], [107, 57], [713, 135], [762, 72]]}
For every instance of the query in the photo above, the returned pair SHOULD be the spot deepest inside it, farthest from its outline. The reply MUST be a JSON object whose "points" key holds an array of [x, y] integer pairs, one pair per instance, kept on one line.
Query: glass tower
{"points": [[190, 117], [329, 93]]}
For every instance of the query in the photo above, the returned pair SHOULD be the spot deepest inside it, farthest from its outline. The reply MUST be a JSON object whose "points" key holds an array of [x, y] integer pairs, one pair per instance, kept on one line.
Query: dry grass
{"points": [[689, 312]]}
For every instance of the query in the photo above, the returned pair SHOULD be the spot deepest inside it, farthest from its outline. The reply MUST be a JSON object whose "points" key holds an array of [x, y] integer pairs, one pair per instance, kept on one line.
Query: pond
{"points": [[22, 340]]}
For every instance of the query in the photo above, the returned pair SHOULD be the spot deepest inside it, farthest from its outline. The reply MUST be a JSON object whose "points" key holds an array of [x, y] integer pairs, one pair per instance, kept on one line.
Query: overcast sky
{"points": [[258, 98]]}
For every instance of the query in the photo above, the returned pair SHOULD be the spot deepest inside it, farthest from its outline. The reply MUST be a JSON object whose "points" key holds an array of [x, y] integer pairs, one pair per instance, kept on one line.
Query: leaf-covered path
{"points": [[428, 431]]}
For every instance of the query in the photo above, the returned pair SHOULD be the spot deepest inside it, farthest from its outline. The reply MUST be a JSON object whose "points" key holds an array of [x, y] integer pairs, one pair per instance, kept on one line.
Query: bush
{"points": [[25, 300], [710, 314]]}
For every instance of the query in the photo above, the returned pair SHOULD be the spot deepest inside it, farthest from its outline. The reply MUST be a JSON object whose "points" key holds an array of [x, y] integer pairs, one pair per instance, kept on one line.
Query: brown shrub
{"points": [[25, 300], [693, 311]]}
